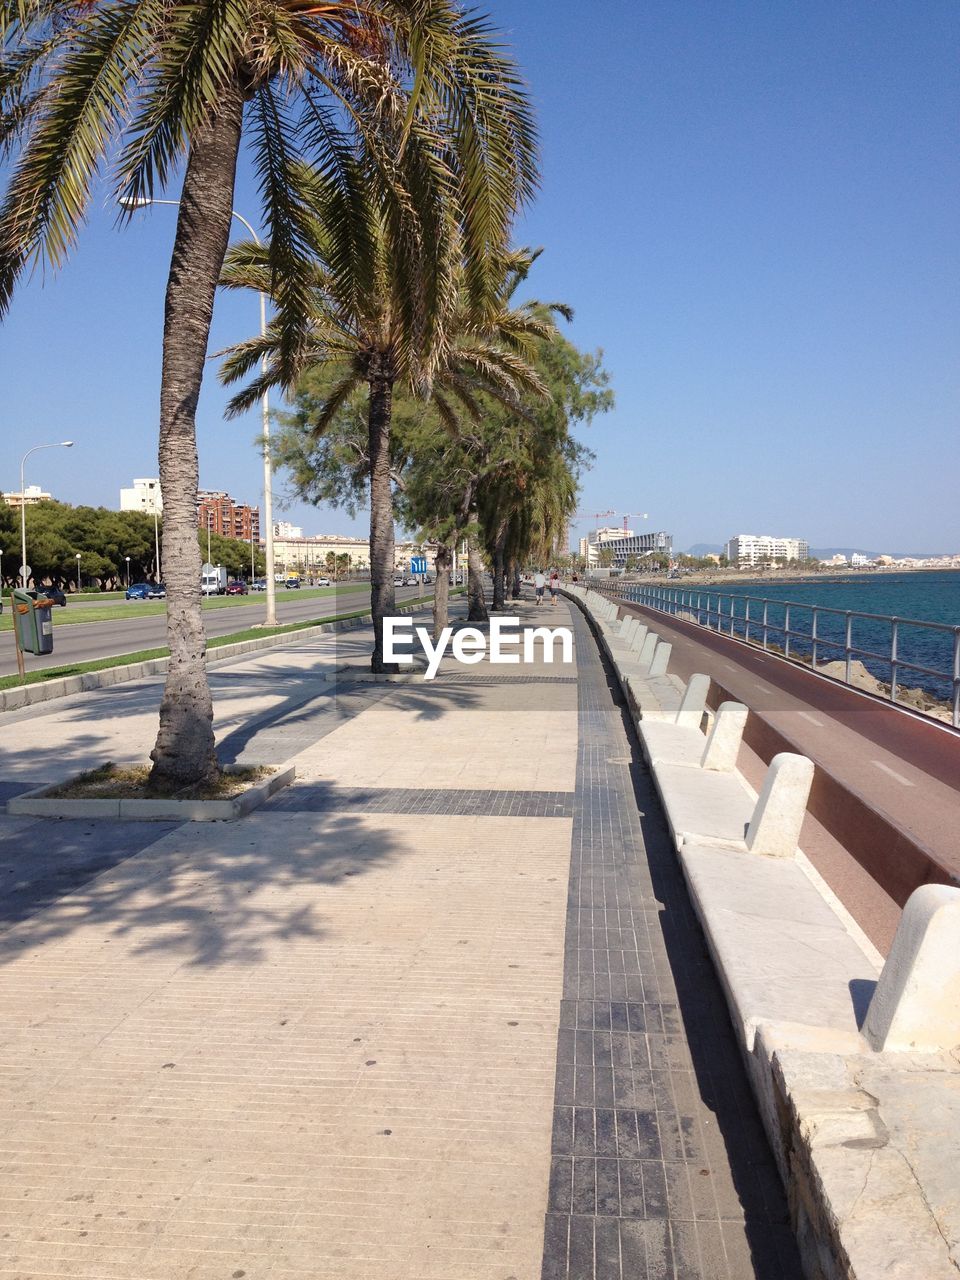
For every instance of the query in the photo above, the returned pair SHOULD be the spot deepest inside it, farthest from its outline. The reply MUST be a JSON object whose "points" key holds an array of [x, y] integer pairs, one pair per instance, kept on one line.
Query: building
{"points": [[219, 513], [623, 544], [284, 529], [145, 496], [30, 496], [308, 556], [751, 549]]}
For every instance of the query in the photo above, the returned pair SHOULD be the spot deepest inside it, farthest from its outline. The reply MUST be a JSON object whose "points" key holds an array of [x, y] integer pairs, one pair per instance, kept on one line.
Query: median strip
{"points": [[80, 677]]}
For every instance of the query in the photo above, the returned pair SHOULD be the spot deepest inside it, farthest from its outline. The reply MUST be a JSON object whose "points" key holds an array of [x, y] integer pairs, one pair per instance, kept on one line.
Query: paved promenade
{"points": [[438, 1011]]}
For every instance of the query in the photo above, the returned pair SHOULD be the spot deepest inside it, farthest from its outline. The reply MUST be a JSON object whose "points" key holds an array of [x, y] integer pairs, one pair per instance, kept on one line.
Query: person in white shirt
{"points": [[539, 582]]}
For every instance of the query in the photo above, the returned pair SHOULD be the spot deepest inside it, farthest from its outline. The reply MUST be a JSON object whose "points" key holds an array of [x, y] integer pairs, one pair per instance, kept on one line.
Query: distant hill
{"points": [[700, 549]]}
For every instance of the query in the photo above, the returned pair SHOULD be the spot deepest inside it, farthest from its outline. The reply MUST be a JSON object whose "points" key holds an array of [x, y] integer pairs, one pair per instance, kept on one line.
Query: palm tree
{"points": [[363, 331], [413, 94]]}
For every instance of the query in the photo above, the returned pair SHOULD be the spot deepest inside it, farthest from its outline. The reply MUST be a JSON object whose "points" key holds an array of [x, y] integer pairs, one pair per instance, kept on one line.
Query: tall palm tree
{"points": [[362, 329], [412, 93]]}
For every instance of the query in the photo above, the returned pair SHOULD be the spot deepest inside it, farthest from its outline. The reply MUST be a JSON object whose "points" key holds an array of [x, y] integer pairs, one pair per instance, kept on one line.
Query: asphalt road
{"points": [[85, 642]]}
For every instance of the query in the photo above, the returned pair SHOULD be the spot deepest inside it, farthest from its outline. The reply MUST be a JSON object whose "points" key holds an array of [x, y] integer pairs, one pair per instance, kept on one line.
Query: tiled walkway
{"points": [[660, 1167], [331, 1041]]}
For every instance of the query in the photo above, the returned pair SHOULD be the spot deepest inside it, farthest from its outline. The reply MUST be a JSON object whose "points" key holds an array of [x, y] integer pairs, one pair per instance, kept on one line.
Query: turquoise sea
{"points": [[932, 596]]}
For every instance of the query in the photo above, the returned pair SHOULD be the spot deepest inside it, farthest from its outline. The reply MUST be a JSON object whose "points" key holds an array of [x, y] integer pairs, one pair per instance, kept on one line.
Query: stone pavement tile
{"points": [[499, 736], [297, 1045]]}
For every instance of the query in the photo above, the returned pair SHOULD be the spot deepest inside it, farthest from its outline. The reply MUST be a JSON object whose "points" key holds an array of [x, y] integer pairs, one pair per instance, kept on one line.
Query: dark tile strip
{"points": [[660, 1167], [322, 798]]}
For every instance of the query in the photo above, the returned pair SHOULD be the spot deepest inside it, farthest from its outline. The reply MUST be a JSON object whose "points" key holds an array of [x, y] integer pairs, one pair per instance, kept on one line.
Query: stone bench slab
{"points": [[782, 952], [704, 805], [655, 697]]}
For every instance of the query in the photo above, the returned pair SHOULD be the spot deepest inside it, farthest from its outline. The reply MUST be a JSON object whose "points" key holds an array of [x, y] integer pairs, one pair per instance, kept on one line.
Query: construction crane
{"points": [[629, 515], [578, 517]]}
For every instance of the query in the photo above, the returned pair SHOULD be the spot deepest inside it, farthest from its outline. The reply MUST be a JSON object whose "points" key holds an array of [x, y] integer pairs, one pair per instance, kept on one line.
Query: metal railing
{"points": [[777, 626]]}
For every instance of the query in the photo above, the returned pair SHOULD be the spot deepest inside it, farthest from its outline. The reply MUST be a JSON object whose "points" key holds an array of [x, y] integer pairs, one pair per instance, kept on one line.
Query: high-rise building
{"points": [[622, 544], [218, 512], [752, 548], [145, 496]]}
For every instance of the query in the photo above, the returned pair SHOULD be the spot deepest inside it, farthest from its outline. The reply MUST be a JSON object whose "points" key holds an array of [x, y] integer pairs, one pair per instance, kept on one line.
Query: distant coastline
{"points": [[718, 577]]}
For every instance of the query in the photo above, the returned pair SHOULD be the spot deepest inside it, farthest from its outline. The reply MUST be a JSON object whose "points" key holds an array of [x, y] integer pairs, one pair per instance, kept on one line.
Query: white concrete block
{"points": [[916, 1006], [623, 628], [638, 637], [661, 658], [774, 829], [723, 743], [693, 702], [648, 648]]}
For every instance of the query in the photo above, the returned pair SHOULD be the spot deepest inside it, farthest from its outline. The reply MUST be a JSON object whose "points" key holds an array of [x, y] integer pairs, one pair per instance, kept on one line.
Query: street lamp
{"points": [[78, 572], [141, 202], [127, 558], [59, 444]]}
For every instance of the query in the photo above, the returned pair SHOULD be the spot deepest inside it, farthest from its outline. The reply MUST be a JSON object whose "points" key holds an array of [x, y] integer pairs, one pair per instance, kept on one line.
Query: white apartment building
{"points": [[752, 548], [145, 496], [30, 496], [622, 545], [287, 531]]}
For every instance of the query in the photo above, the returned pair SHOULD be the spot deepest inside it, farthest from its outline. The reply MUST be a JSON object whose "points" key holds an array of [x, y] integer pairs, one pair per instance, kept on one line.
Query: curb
{"points": [[31, 694], [36, 804]]}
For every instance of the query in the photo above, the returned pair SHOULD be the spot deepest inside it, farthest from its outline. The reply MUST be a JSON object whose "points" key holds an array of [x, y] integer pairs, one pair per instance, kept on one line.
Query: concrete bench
{"points": [[665, 743], [667, 698], [781, 952], [709, 807]]}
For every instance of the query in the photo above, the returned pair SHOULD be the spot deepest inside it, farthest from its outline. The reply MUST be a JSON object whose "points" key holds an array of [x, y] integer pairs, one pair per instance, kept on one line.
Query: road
{"points": [[86, 642]]}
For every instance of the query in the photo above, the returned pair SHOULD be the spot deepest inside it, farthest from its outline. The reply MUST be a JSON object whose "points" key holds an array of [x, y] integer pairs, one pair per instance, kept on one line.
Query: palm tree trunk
{"points": [[499, 567], [185, 750], [477, 610], [441, 595], [383, 599], [513, 574]]}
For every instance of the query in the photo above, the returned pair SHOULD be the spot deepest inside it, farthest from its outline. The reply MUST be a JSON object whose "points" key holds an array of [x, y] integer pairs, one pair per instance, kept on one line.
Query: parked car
{"points": [[398, 580], [427, 580], [54, 594], [157, 592], [260, 584], [410, 580], [323, 582], [236, 588], [291, 583], [139, 591]]}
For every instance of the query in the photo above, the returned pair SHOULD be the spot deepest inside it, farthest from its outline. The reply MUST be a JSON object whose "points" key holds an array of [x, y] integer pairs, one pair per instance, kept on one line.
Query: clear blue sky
{"points": [[753, 208]]}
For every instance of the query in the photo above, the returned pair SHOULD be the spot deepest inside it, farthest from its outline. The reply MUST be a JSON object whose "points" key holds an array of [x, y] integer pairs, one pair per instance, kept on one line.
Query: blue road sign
{"points": [[418, 564]]}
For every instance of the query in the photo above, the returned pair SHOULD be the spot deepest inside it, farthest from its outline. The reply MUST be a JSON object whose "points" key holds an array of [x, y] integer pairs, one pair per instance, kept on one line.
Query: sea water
{"points": [[929, 596]]}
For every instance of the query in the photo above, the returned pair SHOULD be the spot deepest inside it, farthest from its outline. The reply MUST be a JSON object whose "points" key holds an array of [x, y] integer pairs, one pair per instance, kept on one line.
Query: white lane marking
{"points": [[892, 772], [813, 719], [731, 667]]}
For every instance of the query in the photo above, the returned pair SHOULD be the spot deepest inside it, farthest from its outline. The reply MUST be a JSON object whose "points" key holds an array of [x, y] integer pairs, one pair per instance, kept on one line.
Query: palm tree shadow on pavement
{"points": [[206, 895]]}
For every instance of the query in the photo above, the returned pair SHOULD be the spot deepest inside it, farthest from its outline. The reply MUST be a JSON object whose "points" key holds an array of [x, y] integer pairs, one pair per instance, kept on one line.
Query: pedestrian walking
{"points": [[539, 582], [554, 587]]}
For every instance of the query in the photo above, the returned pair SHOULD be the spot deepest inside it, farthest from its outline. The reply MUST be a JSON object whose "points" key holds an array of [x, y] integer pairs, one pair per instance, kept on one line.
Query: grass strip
{"points": [[215, 642]]}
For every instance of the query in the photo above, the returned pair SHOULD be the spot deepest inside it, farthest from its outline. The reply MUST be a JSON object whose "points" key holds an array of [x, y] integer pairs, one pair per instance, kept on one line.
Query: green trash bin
{"points": [[33, 620]]}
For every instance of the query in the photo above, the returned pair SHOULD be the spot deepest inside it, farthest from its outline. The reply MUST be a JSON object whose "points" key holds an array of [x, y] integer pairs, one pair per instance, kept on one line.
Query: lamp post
{"points": [[58, 444], [270, 620], [127, 558], [78, 571]]}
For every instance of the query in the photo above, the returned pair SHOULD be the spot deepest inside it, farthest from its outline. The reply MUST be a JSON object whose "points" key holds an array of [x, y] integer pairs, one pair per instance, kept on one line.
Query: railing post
{"points": [[746, 622], [786, 631], [894, 631], [848, 645], [956, 677], [813, 638], [765, 604]]}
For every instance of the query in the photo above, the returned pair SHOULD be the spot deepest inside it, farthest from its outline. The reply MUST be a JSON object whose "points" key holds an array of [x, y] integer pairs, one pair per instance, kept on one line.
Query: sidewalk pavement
{"points": [[444, 990]]}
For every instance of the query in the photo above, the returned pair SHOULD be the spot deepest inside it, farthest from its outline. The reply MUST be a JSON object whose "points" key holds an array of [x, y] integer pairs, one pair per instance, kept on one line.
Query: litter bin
{"points": [[33, 621]]}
